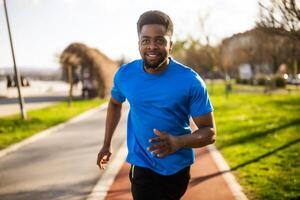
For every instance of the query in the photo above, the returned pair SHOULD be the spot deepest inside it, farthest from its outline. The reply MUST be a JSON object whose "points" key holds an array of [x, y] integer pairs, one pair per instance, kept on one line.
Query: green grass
{"points": [[259, 136], [13, 129]]}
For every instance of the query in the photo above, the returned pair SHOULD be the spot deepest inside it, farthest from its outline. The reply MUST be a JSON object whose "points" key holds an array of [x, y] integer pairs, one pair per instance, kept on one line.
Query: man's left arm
{"points": [[204, 134]]}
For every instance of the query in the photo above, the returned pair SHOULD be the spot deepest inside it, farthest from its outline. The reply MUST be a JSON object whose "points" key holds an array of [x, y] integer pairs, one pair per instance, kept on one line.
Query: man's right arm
{"points": [[112, 119]]}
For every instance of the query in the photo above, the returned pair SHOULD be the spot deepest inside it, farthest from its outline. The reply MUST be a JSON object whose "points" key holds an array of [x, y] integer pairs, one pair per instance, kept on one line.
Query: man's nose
{"points": [[152, 45]]}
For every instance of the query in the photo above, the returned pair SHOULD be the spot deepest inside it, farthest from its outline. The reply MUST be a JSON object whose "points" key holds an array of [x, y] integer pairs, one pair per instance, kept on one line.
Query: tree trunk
{"points": [[70, 77]]}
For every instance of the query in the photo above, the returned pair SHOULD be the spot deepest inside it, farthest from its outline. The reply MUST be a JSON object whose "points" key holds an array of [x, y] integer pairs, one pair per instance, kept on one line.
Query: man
{"points": [[162, 94]]}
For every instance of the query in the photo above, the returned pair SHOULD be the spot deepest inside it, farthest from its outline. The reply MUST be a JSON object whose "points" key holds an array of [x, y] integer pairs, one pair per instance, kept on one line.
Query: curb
{"points": [[46, 132], [101, 188], [223, 167]]}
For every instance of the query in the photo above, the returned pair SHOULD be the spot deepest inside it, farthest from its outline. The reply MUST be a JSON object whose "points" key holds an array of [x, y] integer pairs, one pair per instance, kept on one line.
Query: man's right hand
{"points": [[112, 120], [103, 157]]}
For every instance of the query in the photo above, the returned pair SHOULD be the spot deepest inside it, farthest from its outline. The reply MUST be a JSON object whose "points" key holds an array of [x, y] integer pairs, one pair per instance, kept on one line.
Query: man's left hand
{"points": [[164, 144]]}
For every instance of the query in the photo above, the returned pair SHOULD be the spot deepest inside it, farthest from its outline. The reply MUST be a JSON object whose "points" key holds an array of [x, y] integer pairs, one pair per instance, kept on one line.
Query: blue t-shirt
{"points": [[163, 101]]}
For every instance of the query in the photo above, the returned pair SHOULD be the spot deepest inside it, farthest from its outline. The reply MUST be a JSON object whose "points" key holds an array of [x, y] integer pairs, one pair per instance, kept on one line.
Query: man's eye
{"points": [[145, 41], [160, 41]]}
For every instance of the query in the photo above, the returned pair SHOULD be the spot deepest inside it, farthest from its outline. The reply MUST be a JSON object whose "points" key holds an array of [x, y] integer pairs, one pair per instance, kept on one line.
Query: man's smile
{"points": [[152, 56]]}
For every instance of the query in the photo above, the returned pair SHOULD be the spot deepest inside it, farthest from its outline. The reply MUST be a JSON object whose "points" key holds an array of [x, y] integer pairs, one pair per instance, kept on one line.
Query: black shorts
{"points": [[149, 185]]}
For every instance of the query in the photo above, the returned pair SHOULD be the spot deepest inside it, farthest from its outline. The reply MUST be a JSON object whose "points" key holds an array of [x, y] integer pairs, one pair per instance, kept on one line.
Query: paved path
{"points": [[207, 181], [60, 166]]}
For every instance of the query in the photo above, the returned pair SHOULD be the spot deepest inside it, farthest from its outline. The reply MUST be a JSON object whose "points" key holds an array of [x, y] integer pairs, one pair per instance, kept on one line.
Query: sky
{"points": [[41, 29]]}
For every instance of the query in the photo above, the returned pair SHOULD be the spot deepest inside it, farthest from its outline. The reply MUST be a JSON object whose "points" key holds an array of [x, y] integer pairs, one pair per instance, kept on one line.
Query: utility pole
{"points": [[17, 74]]}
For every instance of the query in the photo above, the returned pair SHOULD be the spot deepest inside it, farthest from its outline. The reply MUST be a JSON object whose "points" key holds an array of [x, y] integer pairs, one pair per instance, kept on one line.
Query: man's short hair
{"points": [[155, 17]]}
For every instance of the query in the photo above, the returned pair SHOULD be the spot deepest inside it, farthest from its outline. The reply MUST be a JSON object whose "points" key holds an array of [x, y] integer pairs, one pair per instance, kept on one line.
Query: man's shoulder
{"points": [[128, 67], [131, 65], [184, 69], [188, 73]]}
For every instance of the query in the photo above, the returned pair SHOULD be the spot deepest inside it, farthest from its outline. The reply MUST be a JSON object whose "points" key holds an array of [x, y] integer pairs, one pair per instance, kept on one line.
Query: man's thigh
{"points": [[148, 185], [176, 185]]}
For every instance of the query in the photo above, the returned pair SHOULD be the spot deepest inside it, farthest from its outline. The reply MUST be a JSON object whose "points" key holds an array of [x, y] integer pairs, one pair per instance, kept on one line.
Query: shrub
{"points": [[243, 81], [279, 81], [261, 81]]}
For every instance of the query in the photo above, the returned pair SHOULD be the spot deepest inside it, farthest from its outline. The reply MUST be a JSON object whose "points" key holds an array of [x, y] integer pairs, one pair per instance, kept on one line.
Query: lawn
{"points": [[259, 136], [13, 129]]}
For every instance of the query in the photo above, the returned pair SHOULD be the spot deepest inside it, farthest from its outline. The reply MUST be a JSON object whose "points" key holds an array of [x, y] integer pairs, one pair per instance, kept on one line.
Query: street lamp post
{"points": [[17, 74]]}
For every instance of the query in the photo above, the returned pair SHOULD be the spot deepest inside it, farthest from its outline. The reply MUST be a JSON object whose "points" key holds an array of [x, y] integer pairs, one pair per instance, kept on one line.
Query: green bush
{"points": [[238, 80], [244, 81], [278, 81], [261, 81]]}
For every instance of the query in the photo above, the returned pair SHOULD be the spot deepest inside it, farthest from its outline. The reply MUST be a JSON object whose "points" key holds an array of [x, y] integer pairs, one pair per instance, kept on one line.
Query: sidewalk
{"points": [[58, 163]]}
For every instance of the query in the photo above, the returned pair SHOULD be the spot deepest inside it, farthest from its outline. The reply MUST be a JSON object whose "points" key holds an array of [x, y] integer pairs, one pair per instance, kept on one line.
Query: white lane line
{"points": [[233, 185], [99, 191], [43, 134]]}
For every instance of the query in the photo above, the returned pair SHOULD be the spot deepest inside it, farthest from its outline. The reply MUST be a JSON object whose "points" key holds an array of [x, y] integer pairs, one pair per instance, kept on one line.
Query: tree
{"points": [[90, 66], [281, 16], [201, 58]]}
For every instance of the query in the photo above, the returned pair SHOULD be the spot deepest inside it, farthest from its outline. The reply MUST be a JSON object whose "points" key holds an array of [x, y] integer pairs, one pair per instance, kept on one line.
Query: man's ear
{"points": [[171, 45], [138, 41]]}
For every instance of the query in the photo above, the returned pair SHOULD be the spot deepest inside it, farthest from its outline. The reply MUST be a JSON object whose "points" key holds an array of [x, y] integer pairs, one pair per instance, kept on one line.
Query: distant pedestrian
{"points": [[163, 94], [24, 82], [9, 82], [87, 88]]}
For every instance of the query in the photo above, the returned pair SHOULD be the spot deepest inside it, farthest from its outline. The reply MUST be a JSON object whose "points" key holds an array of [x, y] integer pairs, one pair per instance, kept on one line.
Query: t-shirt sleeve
{"points": [[116, 92], [199, 103]]}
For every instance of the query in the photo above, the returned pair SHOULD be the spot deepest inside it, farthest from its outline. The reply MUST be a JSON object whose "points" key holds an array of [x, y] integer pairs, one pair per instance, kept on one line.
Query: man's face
{"points": [[154, 45]]}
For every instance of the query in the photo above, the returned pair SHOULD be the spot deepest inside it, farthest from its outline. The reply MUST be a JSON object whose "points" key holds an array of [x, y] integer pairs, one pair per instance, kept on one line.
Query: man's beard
{"points": [[155, 65]]}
